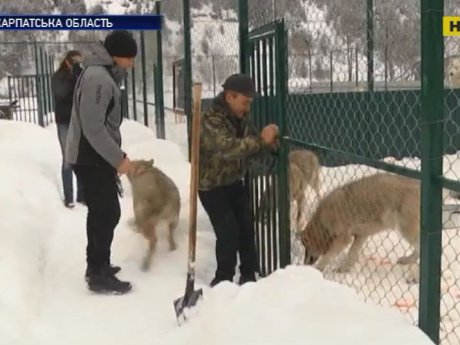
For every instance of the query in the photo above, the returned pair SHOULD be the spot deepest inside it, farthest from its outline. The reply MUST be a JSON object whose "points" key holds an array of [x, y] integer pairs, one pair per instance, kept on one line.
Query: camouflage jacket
{"points": [[226, 144]]}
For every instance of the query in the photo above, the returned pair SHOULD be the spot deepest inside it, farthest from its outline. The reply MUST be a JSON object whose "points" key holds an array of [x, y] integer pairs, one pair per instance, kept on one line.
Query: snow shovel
{"points": [[192, 296]]}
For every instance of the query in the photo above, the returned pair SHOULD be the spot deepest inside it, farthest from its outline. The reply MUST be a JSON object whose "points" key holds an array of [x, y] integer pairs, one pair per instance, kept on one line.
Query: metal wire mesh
{"points": [[335, 56], [26, 71], [215, 46], [140, 84], [450, 281], [214, 56]]}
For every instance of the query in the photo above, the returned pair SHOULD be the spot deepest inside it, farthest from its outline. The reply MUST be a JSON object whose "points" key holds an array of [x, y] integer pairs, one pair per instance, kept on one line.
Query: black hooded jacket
{"points": [[62, 85]]}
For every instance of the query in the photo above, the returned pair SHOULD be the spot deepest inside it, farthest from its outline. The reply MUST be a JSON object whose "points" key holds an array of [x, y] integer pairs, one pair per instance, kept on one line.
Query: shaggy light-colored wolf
{"points": [[304, 170], [357, 210], [155, 199]]}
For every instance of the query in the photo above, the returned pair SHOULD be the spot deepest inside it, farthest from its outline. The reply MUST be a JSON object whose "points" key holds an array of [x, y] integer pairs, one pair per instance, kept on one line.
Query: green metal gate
{"points": [[266, 180], [34, 97]]}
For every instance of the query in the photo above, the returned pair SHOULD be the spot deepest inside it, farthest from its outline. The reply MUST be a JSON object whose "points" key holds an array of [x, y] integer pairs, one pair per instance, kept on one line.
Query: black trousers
{"points": [[101, 195], [230, 215]]}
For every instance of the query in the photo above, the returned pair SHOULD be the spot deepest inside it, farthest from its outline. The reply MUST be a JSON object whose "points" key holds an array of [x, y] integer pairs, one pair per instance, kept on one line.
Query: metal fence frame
{"points": [[43, 101], [431, 106]]}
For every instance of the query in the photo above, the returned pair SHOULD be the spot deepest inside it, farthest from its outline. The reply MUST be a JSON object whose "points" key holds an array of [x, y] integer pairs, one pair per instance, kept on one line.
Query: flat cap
{"points": [[241, 83]]}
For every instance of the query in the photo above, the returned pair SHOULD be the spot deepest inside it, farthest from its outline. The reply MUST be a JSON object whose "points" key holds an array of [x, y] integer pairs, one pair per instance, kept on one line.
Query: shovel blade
{"points": [[188, 301]]}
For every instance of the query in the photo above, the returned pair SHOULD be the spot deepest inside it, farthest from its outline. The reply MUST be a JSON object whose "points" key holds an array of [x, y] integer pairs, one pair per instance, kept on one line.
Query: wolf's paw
{"points": [[320, 268], [411, 279], [406, 260], [413, 276], [145, 267], [343, 268], [132, 225]]}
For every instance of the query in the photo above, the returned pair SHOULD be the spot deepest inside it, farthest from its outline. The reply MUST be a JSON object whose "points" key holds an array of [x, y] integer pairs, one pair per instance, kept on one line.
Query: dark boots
{"points": [[243, 280], [246, 279], [112, 270], [104, 281]]}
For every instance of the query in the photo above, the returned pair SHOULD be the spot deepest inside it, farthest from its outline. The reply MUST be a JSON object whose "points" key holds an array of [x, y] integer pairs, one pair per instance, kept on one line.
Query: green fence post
{"points": [[310, 69], [356, 68], [213, 62], [133, 80], [124, 98], [385, 58], [432, 116], [10, 89], [51, 69], [159, 86], [46, 88], [331, 67], [370, 44], [144, 80], [187, 70], [283, 185], [155, 94], [243, 29], [244, 62], [35, 46], [38, 86]]}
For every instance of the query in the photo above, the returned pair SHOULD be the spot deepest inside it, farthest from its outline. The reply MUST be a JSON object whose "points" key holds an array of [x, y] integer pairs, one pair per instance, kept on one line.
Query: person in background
{"points": [[63, 84], [94, 151], [227, 144]]}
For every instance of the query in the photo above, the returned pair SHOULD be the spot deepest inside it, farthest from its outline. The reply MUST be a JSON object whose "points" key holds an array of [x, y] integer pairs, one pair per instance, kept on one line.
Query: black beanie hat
{"points": [[120, 43]]}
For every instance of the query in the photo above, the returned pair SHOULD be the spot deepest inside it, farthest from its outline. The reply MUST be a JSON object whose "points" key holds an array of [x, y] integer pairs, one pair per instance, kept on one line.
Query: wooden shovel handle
{"points": [[195, 159]]}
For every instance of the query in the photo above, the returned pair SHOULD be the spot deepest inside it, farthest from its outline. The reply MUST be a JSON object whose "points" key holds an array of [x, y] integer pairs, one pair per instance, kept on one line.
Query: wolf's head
{"points": [[139, 167], [309, 257], [453, 73], [316, 240]]}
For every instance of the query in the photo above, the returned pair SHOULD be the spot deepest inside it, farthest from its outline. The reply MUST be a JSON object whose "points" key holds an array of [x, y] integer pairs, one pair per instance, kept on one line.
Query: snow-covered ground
{"points": [[375, 278], [45, 301]]}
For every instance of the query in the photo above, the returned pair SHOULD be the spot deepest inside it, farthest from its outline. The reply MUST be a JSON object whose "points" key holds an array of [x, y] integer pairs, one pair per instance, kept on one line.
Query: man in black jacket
{"points": [[63, 83]]}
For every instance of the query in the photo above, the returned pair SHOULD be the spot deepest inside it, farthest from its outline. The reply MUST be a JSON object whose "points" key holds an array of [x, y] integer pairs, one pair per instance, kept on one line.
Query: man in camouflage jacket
{"points": [[227, 143]]}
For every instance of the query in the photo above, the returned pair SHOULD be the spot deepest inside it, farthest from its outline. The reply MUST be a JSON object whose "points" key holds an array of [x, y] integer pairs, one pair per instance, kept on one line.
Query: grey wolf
{"points": [[155, 199], [354, 212], [304, 170]]}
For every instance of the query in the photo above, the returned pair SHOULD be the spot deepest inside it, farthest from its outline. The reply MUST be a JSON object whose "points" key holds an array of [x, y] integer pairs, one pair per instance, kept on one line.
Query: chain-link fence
{"points": [[450, 280], [140, 82], [27, 79], [354, 100], [25, 82], [212, 51], [215, 47]]}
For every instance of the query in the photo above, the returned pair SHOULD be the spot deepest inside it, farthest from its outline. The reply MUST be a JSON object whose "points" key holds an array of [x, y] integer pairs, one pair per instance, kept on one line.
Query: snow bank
{"points": [[45, 300], [29, 198], [293, 306]]}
